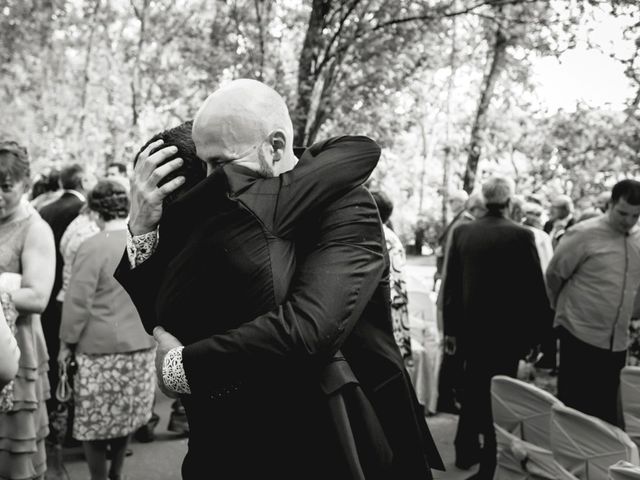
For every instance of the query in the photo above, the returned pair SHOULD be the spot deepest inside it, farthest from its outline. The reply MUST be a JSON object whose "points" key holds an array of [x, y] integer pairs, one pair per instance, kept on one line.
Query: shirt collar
{"points": [[239, 177], [76, 193]]}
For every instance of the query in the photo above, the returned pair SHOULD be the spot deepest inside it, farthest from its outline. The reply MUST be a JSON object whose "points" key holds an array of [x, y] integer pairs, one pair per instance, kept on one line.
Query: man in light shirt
{"points": [[592, 282]]}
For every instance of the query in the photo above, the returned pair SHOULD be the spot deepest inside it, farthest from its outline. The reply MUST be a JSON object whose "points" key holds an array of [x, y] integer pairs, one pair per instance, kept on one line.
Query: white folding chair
{"points": [[522, 409], [425, 344], [587, 446], [630, 392], [624, 471], [520, 460]]}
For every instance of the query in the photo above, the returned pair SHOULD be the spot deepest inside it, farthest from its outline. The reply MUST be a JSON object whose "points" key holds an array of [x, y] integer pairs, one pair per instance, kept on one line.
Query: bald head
{"points": [[457, 201], [245, 122]]}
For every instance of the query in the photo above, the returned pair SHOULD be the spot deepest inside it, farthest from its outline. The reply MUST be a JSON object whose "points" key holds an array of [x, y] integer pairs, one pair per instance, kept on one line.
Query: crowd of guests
{"points": [[512, 287], [65, 320], [560, 294]]}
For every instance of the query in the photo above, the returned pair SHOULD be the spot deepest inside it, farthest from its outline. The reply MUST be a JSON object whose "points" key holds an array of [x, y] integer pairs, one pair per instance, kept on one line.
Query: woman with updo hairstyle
{"points": [[27, 265], [114, 384]]}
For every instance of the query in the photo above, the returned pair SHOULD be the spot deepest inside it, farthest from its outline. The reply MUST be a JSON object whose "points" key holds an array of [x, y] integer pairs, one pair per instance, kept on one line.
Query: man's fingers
{"points": [[171, 186], [158, 332], [145, 154], [150, 163], [159, 173]]}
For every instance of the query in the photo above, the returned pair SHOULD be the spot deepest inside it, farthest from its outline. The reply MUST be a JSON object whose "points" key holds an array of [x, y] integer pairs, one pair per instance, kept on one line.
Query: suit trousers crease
{"points": [[476, 418], [589, 378]]}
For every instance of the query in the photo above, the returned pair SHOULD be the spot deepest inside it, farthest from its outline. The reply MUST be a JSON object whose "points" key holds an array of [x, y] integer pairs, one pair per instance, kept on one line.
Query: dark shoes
{"points": [[178, 420], [146, 433]]}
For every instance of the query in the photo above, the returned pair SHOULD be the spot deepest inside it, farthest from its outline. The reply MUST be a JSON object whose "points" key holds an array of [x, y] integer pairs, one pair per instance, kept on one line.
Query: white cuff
{"points": [[141, 247], [173, 374]]}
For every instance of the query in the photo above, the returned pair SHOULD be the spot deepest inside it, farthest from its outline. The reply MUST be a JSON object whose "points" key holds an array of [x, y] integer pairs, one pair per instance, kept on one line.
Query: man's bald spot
{"points": [[237, 118]]}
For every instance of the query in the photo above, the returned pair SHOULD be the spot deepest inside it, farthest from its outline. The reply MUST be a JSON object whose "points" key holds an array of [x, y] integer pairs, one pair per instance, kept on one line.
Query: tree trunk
{"points": [[136, 81], [477, 130], [87, 65], [307, 74]]}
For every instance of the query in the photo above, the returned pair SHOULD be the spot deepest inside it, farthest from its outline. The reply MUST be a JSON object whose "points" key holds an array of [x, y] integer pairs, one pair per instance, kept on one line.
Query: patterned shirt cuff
{"points": [[173, 374], [141, 247]]}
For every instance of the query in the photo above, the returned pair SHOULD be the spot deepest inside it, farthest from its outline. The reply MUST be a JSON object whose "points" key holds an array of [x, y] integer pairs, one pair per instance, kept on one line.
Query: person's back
{"points": [[490, 252], [98, 304], [494, 310]]}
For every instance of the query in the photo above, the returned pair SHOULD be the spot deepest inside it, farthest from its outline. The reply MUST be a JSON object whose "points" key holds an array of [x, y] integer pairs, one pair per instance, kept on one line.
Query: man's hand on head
{"points": [[165, 342], [146, 195]]}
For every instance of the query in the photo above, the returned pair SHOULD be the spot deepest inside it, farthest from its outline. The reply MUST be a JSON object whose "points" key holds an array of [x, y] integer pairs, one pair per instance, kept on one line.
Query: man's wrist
{"points": [[173, 374], [137, 229]]}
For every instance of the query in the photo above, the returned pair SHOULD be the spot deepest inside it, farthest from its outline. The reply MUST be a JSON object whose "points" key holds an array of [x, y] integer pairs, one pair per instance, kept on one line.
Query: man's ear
{"points": [[277, 140]]}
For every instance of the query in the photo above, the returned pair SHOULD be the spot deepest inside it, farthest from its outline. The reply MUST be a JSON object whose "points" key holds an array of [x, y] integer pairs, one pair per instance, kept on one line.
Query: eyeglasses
{"points": [[535, 214]]}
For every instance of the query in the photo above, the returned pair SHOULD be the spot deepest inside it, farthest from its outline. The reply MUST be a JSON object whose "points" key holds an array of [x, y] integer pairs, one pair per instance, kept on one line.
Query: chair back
{"points": [[587, 446], [520, 460], [522, 409], [624, 471], [630, 392]]}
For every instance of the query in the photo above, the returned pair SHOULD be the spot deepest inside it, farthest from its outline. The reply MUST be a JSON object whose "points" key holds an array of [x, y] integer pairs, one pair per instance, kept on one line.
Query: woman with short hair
{"points": [[115, 381]]}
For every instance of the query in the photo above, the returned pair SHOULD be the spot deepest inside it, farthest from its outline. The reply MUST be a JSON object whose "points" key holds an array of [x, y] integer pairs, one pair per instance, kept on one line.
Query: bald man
{"points": [[259, 368]]}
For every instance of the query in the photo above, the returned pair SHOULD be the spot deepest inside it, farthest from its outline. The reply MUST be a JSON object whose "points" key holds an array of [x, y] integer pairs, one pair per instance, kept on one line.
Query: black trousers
{"points": [[450, 383], [51, 328], [589, 377], [476, 418]]}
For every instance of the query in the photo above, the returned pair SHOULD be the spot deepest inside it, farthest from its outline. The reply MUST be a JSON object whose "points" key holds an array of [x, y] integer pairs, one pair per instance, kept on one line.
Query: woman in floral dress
{"points": [[115, 381], [26, 249]]}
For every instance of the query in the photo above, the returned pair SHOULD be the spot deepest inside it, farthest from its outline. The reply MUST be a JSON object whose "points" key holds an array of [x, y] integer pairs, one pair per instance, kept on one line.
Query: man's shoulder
{"points": [[66, 202]]}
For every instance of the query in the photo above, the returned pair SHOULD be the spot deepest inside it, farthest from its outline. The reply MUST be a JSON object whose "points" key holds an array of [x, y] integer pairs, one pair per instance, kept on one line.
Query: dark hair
{"points": [[384, 204], [193, 169], [122, 168], [14, 162], [109, 199], [71, 177], [46, 183], [628, 189]]}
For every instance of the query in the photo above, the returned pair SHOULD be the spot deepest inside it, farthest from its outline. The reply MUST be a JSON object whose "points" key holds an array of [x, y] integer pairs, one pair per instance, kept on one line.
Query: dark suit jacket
{"points": [[548, 225], [59, 215], [259, 382], [494, 299]]}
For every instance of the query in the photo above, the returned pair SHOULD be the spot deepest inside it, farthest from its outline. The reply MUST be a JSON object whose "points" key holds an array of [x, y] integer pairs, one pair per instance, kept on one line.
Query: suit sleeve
{"points": [[568, 256], [142, 283], [330, 291], [452, 289], [540, 316], [76, 310], [326, 171]]}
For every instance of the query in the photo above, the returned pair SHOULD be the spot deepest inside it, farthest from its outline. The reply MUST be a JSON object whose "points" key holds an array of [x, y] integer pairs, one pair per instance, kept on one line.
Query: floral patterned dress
{"points": [[113, 394], [399, 297]]}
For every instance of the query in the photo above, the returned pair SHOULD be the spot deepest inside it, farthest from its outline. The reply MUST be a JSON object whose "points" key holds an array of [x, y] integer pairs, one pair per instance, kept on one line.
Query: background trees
{"points": [[446, 86]]}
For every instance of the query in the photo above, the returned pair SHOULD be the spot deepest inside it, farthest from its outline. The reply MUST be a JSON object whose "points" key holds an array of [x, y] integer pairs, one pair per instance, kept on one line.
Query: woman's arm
{"points": [[9, 352], [78, 301], [38, 270]]}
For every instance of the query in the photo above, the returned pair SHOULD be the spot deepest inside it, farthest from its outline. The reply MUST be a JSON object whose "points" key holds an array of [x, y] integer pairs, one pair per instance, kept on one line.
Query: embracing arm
{"points": [[38, 270], [327, 299], [331, 288], [326, 171]]}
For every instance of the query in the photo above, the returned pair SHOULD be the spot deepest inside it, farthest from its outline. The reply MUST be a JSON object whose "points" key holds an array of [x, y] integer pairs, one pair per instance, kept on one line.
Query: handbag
{"points": [[8, 310], [59, 419]]}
